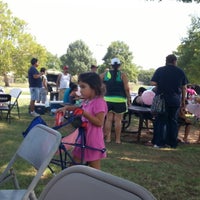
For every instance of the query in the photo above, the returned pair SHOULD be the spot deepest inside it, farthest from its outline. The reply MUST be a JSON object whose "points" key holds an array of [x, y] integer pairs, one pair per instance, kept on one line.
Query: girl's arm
{"points": [[66, 108], [45, 83], [97, 120]]}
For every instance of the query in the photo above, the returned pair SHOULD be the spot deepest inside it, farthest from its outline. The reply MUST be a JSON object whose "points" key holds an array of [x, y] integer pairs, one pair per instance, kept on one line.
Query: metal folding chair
{"points": [[5, 105], [37, 149], [82, 182], [15, 93]]}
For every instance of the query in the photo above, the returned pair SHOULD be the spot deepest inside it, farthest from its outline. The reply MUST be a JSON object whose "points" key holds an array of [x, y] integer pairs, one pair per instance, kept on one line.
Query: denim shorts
{"points": [[34, 92]]}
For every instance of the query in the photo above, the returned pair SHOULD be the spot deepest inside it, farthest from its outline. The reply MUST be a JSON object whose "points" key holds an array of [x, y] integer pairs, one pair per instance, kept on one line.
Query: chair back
{"points": [[38, 148], [15, 92], [82, 182], [5, 98], [40, 144]]}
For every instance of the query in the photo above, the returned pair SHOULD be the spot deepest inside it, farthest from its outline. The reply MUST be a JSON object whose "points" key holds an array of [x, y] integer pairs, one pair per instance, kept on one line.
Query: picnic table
{"points": [[136, 111]]}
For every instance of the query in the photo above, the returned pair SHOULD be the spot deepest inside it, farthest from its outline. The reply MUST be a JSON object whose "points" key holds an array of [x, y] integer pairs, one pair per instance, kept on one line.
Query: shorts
{"points": [[43, 95], [34, 92], [117, 107]]}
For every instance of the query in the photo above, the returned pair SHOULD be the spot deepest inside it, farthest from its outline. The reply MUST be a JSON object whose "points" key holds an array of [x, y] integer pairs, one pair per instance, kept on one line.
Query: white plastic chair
{"points": [[81, 182], [37, 149], [15, 93]]}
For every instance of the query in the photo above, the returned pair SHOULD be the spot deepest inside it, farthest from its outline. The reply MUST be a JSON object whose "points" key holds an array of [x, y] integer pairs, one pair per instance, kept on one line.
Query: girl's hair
{"points": [[73, 87], [93, 80], [42, 69]]}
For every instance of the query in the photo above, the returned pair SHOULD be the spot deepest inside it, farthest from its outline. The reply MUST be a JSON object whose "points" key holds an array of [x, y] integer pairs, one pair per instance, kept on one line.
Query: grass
{"points": [[168, 174]]}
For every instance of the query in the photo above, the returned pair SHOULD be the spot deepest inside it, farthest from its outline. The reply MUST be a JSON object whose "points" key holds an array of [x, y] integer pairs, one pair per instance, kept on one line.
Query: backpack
{"points": [[35, 121]]}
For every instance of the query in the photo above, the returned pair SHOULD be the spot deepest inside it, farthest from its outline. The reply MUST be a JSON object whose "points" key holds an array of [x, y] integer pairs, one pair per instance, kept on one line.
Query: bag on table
{"points": [[158, 104]]}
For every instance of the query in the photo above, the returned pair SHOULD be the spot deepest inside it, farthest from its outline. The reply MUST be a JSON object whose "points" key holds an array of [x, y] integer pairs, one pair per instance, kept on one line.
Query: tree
{"points": [[145, 76], [17, 47], [78, 57], [188, 52], [53, 62], [121, 50]]}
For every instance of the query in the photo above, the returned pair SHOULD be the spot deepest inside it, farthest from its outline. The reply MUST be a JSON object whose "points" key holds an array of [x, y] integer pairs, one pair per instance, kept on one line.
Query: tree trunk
{"points": [[6, 80]]}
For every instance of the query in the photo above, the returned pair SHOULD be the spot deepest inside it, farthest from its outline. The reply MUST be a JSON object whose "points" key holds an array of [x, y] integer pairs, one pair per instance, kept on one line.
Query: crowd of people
{"points": [[106, 97]]}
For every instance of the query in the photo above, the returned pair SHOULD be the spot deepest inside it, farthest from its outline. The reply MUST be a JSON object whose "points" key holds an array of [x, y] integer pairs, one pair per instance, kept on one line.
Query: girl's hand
{"points": [[66, 108], [63, 110]]}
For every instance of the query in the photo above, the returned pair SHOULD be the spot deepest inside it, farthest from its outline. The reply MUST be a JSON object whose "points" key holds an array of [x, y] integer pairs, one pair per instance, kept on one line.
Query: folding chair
{"points": [[82, 182], [5, 105], [37, 149], [15, 93]]}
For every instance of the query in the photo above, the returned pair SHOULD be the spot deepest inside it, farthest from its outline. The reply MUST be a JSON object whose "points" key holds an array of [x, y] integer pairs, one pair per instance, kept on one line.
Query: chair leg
{"points": [[8, 117], [18, 111], [1, 115]]}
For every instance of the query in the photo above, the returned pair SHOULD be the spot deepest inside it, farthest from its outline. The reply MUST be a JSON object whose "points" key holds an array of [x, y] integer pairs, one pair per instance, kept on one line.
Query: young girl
{"points": [[44, 89], [94, 110]]}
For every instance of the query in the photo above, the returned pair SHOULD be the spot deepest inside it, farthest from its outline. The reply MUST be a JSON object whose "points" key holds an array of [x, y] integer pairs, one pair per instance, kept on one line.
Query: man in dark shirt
{"points": [[170, 81], [35, 83]]}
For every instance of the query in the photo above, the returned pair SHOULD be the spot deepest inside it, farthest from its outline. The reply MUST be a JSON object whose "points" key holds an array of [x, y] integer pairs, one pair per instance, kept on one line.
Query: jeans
{"points": [[166, 128]]}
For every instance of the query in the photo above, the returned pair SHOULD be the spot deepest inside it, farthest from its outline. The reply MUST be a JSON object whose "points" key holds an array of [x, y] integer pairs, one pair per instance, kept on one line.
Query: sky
{"points": [[152, 30]]}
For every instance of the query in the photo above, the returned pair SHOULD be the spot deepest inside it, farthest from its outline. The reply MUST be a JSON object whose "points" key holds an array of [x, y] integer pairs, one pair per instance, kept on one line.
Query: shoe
{"points": [[34, 114], [149, 143], [159, 147]]}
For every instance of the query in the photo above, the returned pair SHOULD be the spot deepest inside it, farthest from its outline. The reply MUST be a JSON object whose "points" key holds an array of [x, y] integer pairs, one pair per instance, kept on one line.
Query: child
{"points": [[94, 110], [72, 94], [138, 99], [183, 121], [44, 89]]}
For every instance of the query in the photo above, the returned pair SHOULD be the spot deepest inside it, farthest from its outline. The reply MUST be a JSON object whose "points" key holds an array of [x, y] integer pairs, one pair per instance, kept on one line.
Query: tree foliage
{"points": [[121, 50], [53, 62], [78, 58], [188, 52], [17, 46], [145, 76]]}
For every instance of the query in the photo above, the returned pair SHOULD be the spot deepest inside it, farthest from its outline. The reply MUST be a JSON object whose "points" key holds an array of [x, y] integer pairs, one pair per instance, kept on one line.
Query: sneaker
{"points": [[156, 146], [34, 114]]}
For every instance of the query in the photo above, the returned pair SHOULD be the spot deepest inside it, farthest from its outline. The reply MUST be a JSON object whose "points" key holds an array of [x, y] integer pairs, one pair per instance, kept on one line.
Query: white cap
{"points": [[115, 61]]}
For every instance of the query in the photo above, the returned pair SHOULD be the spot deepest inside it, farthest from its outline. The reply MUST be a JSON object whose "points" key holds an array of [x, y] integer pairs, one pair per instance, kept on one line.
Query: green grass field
{"points": [[170, 174]]}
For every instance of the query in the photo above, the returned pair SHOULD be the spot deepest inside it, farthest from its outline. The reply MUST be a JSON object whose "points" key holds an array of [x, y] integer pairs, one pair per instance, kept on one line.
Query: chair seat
{"points": [[4, 107], [12, 194]]}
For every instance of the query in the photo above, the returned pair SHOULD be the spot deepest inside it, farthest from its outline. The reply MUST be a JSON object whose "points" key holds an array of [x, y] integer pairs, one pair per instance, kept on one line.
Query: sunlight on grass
{"points": [[168, 173], [134, 159]]}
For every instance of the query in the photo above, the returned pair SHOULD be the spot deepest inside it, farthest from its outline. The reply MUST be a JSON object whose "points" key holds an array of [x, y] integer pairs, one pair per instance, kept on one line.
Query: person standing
{"points": [[170, 81], [93, 111], [63, 82], [35, 83], [117, 97], [44, 88]]}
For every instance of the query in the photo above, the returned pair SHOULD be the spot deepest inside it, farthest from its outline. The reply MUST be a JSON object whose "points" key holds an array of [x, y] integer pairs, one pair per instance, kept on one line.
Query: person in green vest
{"points": [[117, 98]]}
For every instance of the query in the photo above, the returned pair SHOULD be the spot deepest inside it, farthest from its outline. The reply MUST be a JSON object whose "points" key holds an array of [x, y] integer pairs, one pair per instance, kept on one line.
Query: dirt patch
{"points": [[147, 136]]}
